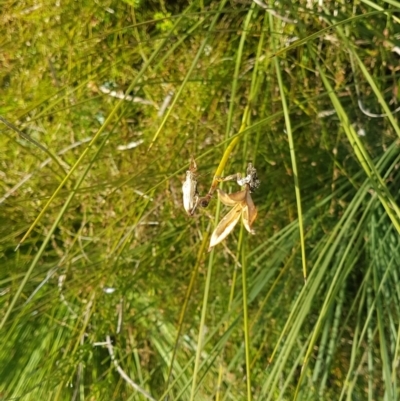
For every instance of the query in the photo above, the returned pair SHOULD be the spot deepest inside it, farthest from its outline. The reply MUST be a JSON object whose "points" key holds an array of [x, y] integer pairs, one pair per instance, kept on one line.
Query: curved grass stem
{"points": [[292, 156], [246, 326]]}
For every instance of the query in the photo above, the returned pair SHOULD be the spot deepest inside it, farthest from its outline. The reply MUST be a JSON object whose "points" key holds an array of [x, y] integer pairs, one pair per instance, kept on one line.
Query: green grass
{"points": [[111, 293]]}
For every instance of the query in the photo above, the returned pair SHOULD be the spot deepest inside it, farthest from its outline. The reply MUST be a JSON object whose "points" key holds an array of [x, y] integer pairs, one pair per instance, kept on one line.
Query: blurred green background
{"points": [[111, 294]]}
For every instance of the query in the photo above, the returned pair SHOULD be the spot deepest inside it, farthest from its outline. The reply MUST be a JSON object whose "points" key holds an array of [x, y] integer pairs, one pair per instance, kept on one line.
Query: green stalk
{"points": [[189, 290], [200, 340], [230, 303], [292, 155], [201, 334], [237, 70], [246, 324]]}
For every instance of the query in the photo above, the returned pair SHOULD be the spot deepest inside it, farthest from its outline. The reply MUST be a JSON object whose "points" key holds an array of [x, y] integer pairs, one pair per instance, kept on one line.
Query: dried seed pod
{"points": [[189, 189], [249, 213], [242, 205]]}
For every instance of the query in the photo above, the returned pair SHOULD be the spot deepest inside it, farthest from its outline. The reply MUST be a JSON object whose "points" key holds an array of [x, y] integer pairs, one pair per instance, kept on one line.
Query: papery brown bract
{"points": [[225, 226], [231, 199], [249, 213], [243, 205]]}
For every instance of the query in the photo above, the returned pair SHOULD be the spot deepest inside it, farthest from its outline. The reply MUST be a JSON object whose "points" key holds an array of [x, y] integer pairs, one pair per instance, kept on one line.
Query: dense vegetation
{"points": [[111, 293]]}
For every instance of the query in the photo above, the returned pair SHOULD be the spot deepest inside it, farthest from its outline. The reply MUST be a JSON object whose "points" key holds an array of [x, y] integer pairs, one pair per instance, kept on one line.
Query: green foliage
{"points": [[111, 294], [165, 25]]}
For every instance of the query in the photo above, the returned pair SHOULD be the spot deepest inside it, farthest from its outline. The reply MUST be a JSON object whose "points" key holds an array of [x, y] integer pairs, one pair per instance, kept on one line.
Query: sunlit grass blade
{"points": [[106, 123], [292, 155], [106, 282], [47, 238], [378, 184], [179, 92], [308, 38], [190, 287], [36, 143], [371, 81], [246, 326], [347, 261]]}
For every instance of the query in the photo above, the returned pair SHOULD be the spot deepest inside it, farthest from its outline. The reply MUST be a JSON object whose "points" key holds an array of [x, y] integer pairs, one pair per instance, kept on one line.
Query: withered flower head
{"points": [[251, 178], [242, 205]]}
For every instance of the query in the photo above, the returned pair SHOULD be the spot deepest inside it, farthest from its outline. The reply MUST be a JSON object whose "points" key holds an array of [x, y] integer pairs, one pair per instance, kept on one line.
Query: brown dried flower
{"points": [[242, 205]]}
